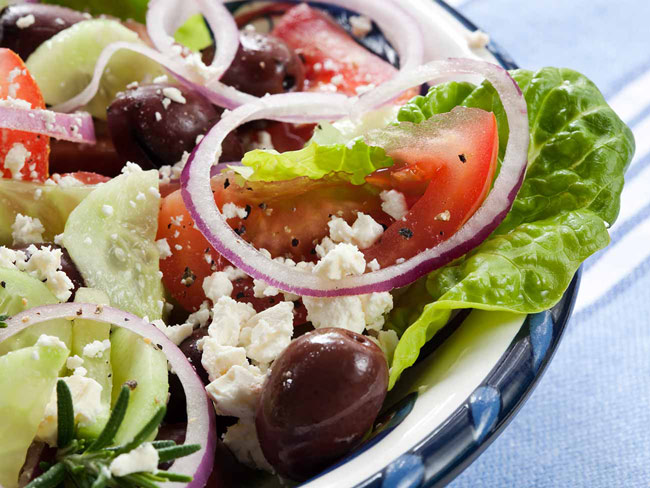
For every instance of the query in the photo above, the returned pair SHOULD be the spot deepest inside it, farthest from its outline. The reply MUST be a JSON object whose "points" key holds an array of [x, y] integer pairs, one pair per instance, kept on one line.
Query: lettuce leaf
{"points": [[315, 161], [577, 158]]}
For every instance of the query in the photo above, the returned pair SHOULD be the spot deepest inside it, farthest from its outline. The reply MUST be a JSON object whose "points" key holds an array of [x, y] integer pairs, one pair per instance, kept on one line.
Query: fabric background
{"points": [[586, 424]]}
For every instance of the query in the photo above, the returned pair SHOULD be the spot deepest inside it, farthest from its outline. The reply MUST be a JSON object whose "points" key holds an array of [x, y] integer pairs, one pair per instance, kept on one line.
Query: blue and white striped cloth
{"points": [[588, 422]]}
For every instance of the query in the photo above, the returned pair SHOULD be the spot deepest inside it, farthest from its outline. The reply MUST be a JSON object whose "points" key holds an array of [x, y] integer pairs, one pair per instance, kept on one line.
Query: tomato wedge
{"points": [[26, 150], [444, 167], [280, 218], [334, 61]]}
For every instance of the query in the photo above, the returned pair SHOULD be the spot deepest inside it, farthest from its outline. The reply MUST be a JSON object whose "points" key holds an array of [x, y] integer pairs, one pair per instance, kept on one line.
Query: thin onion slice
{"points": [[75, 127], [199, 200], [200, 430], [165, 17]]}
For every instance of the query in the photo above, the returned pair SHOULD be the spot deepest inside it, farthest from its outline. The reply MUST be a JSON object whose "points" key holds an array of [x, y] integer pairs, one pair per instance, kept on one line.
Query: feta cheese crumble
{"points": [[217, 285], [96, 349], [26, 230], [25, 21], [394, 204], [15, 160], [143, 458], [174, 94], [363, 233], [344, 260]]}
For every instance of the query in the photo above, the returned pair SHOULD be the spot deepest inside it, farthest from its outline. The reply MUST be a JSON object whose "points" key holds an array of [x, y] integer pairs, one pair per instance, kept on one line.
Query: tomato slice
{"points": [[447, 177], [286, 218], [444, 166], [17, 83], [334, 61]]}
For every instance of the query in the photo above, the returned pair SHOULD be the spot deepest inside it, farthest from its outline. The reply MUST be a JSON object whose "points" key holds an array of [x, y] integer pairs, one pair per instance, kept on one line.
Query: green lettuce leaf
{"points": [[577, 158], [315, 161], [194, 33]]}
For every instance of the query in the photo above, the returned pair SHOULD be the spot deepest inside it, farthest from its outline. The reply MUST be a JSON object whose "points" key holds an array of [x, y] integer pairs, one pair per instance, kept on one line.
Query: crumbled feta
{"points": [[344, 260], [217, 285], [243, 442], [74, 362], [107, 210], [325, 246], [361, 26], [96, 349], [218, 359], [27, 230], [228, 318], [15, 160], [374, 265], [86, 401], [143, 458], [174, 94], [10, 258], [130, 168], [237, 392], [268, 333], [201, 317], [68, 181], [261, 289], [45, 265], [25, 21], [394, 204], [363, 233], [375, 307], [477, 39], [175, 333], [158, 116], [160, 79], [164, 250], [234, 273], [355, 313], [231, 211], [45, 340], [345, 312]]}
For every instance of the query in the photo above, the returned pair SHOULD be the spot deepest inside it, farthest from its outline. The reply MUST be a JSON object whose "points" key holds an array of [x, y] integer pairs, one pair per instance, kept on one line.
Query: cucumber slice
{"points": [[51, 204], [64, 65], [116, 252], [27, 378], [20, 292], [85, 332], [135, 360]]}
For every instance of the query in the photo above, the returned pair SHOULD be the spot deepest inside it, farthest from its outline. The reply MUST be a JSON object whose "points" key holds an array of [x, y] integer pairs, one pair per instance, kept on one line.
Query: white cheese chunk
{"points": [[394, 204], [237, 392], [217, 285], [143, 458], [344, 260]]}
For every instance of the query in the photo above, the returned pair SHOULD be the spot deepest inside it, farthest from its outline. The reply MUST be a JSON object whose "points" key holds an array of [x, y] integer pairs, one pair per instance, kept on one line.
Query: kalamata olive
{"points": [[153, 126], [23, 34], [192, 352], [69, 157], [67, 265], [263, 64], [322, 395]]}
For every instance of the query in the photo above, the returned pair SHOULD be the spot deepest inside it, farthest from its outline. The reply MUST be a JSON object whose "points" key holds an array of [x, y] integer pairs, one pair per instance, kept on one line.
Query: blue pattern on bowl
{"points": [[541, 334], [406, 472], [485, 404]]}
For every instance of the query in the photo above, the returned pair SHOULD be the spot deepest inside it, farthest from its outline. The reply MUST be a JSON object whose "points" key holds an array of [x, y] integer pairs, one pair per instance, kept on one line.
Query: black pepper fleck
{"points": [[295, 242], [406, 233], [3, 284], [226, 184], [462, 158], [240, 295]]}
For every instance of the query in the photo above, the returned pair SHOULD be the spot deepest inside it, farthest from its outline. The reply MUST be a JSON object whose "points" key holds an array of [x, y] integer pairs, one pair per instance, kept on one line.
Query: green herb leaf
{"points": [[181, 478], [115, 420], [161, 444], [3, 317], [65, 412], [145, 432], [52, 478], [168, 453]]}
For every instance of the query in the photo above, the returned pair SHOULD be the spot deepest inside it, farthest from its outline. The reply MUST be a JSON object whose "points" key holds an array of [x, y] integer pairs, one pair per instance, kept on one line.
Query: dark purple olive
{"points": [[101, 157], [190, 348], [67, 265], [22, 35], [321, 397], [152, 126], [263, 64]]}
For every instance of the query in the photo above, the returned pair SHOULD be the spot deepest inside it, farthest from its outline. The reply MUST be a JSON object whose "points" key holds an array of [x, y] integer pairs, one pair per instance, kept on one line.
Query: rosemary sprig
{"points": [[85, 464]]}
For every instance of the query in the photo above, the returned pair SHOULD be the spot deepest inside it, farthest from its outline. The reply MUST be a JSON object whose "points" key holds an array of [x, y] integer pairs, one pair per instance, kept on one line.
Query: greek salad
{"points": [[228, 228]]}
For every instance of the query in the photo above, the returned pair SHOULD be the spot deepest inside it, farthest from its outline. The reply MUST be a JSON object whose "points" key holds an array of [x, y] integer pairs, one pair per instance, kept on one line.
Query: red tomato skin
{"points": [[329, 52], [452, 186], [16, 82]]}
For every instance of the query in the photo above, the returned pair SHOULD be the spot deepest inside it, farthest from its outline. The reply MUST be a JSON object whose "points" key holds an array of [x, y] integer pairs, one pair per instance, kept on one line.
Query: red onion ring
{"points": [[201, 429], [199, 200], [76, 127], [164, 17]]}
